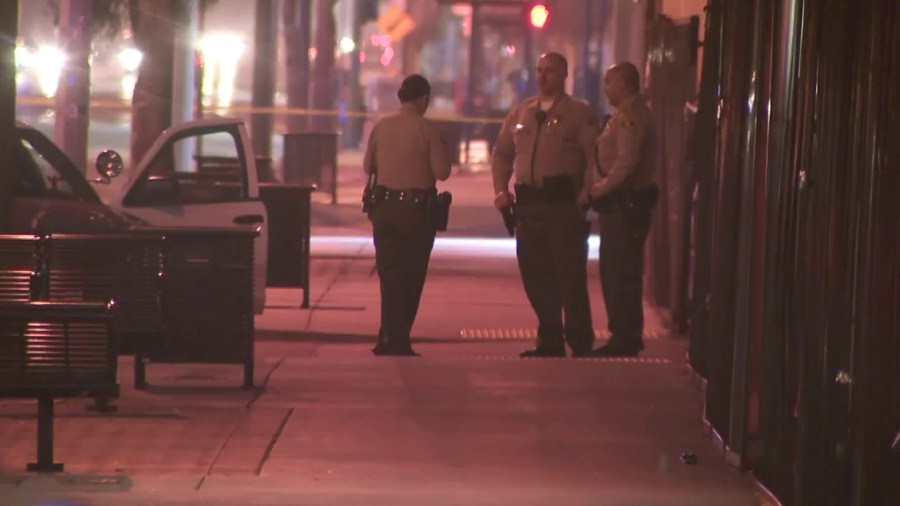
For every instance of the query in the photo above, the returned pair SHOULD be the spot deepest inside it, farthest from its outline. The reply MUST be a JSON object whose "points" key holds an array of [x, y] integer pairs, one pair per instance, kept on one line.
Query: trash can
{"points": [[206, 299], [310, 158], [288, 210]]}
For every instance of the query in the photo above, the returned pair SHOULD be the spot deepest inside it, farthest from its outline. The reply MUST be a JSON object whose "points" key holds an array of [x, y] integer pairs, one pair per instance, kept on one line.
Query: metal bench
{"points": [[182, 295], [55, 349], [97, 268]]}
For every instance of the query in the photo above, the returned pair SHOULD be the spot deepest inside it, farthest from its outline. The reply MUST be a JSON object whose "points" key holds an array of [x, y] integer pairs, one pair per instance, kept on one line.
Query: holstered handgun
{"points": [[439, 210], [368, 195], [509, 219]]}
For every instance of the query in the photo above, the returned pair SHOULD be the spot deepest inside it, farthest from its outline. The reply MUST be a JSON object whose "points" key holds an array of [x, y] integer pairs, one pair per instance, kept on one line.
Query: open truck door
{"points": [[201, 174]]}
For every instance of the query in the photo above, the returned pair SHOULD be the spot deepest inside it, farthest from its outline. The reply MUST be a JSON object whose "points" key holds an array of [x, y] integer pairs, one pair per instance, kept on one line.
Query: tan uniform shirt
{"points": [[625, 149], [406, 151], [563, 144]]}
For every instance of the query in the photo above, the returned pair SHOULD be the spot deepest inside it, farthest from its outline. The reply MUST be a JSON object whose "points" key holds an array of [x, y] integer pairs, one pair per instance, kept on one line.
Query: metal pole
{"points": [[474, 75], [45, 462], [531, 85], [199, 64]]}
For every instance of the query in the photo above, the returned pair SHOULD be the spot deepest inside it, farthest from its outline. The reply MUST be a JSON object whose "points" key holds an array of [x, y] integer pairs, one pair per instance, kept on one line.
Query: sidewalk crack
{"points": [[262, 386], [274, 441], [259, 392]]}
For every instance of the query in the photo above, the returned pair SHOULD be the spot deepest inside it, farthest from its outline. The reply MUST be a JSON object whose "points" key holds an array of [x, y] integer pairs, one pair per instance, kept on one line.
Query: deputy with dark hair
{"points": [[406, 155], [624, 196], [547, 142]]}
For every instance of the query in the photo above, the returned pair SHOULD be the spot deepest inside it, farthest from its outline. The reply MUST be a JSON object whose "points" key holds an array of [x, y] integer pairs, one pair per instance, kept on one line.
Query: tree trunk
{"points": [[9, 17], [74, 92], [152, 103], [264, 59], [296, 15], [324, 83]]}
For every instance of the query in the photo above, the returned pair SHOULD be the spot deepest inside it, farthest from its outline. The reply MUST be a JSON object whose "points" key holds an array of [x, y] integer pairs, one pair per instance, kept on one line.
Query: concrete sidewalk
{"points": [[468, 423]]}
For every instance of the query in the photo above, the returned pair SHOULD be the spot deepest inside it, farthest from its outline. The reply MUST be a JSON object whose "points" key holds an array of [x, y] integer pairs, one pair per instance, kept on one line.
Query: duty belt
{"points": [[526, 194], [414, 196]]}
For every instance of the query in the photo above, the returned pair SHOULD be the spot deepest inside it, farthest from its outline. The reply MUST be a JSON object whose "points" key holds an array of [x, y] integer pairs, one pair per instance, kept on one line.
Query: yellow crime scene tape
{"points": [[281, 110]]}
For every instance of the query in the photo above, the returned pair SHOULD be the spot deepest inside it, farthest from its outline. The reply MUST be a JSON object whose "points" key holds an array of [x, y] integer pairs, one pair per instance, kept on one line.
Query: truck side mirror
{"points": [[109, 165]]}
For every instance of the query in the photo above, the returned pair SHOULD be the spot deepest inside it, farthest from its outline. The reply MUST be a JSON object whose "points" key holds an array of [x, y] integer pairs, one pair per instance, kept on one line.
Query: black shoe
{"points": [[582, 353], [387, 352], [543, 352], [617, 350]]}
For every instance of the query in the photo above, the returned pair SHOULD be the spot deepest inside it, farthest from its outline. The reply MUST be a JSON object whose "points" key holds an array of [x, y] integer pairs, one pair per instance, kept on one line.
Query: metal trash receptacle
{"points": [[310, 158], [288, 209], [206, 299]]}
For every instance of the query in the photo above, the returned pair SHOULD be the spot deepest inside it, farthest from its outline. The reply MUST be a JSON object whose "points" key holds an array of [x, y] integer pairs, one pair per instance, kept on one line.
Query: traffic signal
{"points": [[537, 15]]}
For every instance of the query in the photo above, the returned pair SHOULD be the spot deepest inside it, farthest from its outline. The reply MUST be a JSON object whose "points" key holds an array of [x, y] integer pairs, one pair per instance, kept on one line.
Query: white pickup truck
{"points": [[197, 174]]}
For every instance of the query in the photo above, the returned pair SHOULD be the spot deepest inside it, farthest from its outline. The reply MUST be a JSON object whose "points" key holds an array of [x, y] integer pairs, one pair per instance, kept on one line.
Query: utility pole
{"points": [[74, 91], [9, 25], [296, 16], [264, 65]]}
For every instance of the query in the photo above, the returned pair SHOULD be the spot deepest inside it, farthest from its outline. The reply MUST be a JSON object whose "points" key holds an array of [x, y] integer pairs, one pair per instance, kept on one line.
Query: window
{"points": [[204, 168], [37, 177]]}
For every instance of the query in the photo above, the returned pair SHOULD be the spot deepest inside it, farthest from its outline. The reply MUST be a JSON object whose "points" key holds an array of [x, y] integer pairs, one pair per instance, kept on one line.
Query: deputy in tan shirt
{"points": [[624, 157], [405, 156], [547, 143], [624, 181], [407, 150], [561, 144]]}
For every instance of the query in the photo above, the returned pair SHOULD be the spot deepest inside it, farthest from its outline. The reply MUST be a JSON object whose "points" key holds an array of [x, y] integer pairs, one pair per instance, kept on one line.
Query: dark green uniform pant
{"points": [[622, 238], [551, 245], [404, 238]]}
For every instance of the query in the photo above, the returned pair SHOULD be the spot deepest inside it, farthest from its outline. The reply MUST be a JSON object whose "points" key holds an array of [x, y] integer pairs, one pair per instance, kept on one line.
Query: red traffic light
{"points": [[537, 15]]}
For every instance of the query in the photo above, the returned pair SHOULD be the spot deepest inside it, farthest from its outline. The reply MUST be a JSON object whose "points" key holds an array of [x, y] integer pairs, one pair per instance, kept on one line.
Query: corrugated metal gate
{"points": [[795, 279]]}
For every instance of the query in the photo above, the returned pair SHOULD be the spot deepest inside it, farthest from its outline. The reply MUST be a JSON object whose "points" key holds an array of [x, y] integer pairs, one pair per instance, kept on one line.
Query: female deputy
{"points": [[405, 156]]}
